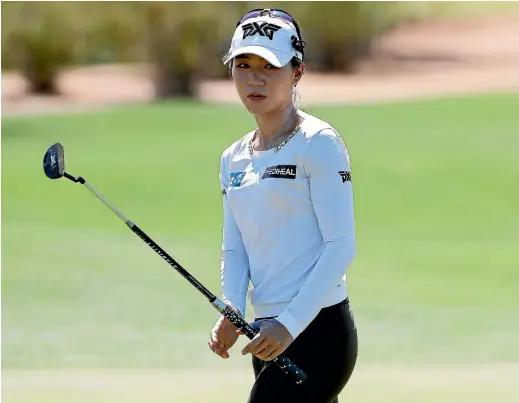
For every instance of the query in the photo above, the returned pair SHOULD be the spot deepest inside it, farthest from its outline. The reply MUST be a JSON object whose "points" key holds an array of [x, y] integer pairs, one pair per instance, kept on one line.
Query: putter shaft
{"points": [[281, 361], [100, 197]]}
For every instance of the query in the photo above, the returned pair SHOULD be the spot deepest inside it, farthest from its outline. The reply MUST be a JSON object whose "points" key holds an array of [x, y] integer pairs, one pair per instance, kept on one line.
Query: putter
{"points": [[54, 168]]}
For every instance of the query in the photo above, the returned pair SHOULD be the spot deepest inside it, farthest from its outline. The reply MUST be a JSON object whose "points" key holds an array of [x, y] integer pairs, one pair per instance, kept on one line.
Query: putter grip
{"points": [[287, 366]]}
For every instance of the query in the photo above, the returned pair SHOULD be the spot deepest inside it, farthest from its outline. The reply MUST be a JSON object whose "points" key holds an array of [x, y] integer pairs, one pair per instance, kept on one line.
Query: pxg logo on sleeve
{"points": [[345, 175], [236, 178]]}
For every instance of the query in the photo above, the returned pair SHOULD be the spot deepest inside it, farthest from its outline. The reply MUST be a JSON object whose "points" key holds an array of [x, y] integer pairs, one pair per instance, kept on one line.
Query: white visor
{"points": [[266, 37]]}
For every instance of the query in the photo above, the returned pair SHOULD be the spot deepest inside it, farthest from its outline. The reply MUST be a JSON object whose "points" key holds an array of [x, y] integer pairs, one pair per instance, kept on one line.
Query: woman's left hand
{"points": [[272, 339]]}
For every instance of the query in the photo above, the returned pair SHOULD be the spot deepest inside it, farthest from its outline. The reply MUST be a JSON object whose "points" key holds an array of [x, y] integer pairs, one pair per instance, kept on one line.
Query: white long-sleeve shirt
{"points": [[288, 225]]}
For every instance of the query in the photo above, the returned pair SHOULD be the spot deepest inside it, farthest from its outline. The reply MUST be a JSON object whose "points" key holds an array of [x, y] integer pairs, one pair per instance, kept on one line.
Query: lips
{"points": [[256, 96]]}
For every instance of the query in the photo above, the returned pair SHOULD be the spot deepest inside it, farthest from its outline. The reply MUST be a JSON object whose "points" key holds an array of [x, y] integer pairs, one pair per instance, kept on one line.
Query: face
{"points": [[263, 88]]}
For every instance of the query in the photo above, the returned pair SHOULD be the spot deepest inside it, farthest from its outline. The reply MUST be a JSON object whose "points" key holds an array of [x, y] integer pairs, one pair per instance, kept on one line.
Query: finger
{"points": [[210, 346], [217, 346], [274, 349], [260, 347], [271, 354], [266, 349], [253, 344], [263, 354], [214, 348], [221, 351], [219, 343], [224, 350]]}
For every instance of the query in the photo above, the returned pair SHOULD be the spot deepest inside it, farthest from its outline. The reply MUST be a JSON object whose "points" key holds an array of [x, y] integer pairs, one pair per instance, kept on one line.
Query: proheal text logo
{"points": [[281, 172]]}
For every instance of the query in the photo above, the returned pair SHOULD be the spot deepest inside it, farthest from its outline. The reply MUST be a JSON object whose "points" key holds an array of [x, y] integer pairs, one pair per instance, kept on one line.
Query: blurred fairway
{"points": [[434, 283], [391, 384]]}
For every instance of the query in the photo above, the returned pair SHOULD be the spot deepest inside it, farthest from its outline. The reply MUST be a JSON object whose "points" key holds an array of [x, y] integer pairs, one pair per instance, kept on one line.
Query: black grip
{"points": [[287, 366]]}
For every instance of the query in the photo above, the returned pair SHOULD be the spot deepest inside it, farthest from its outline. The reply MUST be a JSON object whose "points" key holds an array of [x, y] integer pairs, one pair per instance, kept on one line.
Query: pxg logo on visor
{"points": [[269, 33], [263, 29]]}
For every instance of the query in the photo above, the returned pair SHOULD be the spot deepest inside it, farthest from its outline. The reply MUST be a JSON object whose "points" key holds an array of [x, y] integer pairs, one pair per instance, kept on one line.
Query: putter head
{"points": [[54, 162]]}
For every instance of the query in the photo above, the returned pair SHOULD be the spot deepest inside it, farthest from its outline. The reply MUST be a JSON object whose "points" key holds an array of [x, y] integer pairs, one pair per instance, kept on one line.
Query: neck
{"points": [[270, 125]]}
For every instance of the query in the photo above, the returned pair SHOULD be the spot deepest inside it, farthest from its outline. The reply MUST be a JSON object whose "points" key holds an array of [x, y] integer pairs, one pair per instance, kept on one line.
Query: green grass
{"points": [[435, 280], [392, 384]]}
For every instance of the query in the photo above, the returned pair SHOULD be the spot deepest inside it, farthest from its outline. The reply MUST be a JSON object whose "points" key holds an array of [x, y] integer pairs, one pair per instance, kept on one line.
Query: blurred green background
{"points": [[90, 313]]}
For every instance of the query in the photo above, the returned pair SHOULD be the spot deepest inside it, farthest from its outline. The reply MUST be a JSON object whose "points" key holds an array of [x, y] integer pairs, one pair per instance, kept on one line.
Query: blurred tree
{"points": [[112, 33], [185, 41], [337, 33], [40, 41]]}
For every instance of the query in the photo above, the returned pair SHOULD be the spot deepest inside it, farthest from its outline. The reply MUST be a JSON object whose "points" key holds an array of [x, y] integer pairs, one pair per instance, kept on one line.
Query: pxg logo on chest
{"points": [[281, 172], [236, 178]]}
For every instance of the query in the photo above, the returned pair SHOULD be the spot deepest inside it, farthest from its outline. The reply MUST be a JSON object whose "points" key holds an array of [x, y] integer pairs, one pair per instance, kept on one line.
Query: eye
{"points": [[271, 67], [242, 65]]}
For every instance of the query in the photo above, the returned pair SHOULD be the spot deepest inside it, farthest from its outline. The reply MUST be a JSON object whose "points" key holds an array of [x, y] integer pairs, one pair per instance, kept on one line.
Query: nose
{"points": [[256, 79]]}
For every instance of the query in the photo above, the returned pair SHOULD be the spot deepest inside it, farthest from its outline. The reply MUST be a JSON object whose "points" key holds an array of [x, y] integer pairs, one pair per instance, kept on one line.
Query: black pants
{"points": [[326, 351]]}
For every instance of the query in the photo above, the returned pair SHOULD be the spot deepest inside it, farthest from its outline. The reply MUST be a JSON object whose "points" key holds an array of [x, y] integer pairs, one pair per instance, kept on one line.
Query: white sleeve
{"points": [[327, 164], [234, 267]]}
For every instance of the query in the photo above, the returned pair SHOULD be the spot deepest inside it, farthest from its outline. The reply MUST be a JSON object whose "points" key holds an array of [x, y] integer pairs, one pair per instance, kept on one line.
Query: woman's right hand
{"points": [[223, 336]]}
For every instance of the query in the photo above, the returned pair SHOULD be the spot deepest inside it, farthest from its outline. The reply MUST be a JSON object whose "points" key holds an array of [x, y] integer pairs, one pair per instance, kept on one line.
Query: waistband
{"points": [[269, 311], [346, 301]]}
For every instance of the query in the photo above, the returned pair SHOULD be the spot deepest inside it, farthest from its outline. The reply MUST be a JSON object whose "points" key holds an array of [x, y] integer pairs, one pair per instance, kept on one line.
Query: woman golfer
{"points": [[288, 223]]}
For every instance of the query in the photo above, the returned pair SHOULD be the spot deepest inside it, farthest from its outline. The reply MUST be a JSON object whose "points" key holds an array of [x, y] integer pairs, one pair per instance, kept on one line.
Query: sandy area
{"points": [[414, 61]]}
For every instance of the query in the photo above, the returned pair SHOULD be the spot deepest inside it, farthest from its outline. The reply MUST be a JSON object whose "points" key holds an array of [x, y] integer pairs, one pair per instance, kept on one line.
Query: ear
{"points": [[298, 73]]}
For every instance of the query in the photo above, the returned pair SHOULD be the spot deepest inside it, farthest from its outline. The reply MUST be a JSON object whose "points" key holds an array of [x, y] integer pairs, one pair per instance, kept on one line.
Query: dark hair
{"points": [[295, 62]]}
